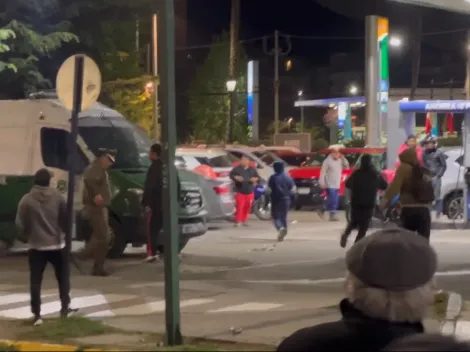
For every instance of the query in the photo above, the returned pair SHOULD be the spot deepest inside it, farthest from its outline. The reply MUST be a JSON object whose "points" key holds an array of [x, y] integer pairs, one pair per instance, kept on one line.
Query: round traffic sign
{"points": [[91, 82]]}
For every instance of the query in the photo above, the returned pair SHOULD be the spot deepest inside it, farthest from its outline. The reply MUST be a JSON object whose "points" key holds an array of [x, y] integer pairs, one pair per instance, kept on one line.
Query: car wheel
{"points": [[455, 207]]}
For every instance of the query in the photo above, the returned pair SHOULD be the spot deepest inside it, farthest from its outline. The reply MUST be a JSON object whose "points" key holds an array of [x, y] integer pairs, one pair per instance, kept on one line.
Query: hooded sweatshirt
{"points": [[281, 184], [42, 218], [401, 183]]}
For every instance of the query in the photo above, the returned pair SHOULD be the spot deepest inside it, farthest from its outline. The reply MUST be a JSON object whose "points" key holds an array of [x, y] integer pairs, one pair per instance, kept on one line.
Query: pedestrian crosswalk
{"points": [[16, 305]]}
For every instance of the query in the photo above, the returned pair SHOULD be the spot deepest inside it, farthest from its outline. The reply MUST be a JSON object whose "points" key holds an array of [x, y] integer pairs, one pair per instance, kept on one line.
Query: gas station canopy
{"points": [[449, 5]]}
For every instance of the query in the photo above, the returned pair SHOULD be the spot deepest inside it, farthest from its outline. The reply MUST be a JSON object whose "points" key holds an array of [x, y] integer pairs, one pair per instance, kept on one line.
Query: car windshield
{"points": [[223, 160], [318, 159], [132, 144]]}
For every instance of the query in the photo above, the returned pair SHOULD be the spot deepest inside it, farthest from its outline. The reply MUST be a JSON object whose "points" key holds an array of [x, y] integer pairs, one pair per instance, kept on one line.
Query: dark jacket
{"points": [[354, 332], [152, 196], [364, 184], [435, 161], [402, 182], [280, 184], [245, 186], [42, 218]]}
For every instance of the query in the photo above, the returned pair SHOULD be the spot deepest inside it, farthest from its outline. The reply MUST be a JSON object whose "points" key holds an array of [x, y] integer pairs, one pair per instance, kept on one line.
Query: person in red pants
{"points": [[244, 177]]}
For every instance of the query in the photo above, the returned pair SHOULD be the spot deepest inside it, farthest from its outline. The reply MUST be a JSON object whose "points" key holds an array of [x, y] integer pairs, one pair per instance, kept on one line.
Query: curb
{"points": [[31, 346]]}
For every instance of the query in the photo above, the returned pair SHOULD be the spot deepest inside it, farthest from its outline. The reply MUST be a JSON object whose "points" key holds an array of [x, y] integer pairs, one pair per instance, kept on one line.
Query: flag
{"points": [[428, 126]]}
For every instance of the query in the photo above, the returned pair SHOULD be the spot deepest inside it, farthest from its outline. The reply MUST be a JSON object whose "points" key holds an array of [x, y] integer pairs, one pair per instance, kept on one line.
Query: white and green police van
{"points": [[34, 134]]}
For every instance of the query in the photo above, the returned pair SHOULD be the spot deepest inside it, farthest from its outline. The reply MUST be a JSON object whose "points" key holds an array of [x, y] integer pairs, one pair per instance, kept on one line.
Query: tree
{"points": [[209, 100], [38, 35], [4, 35]]}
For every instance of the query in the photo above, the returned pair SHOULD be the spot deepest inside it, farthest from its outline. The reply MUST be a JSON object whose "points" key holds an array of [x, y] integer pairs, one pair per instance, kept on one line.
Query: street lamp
{"points": [[353, 90], [395, 42], [231, 86], [300, 93]]}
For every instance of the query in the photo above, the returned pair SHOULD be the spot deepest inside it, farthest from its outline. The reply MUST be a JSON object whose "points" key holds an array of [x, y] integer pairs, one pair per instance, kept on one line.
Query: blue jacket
{"points": [[281, 184]]}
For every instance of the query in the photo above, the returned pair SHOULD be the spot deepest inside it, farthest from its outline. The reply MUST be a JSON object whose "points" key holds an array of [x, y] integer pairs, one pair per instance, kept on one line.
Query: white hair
{"points": [[406, 306]]}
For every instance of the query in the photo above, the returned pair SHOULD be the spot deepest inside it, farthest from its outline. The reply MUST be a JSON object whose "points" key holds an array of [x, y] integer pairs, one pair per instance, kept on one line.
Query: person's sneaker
{"points": [[245, 224], [321, 212], [333, 218], [237, 224], [343, 241], [282, 234], [151, 258], [68, 312], [37, 321]]}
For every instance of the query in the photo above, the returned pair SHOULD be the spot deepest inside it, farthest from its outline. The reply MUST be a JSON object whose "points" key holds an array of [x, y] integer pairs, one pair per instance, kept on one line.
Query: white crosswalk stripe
{"points": [[16, 305]]}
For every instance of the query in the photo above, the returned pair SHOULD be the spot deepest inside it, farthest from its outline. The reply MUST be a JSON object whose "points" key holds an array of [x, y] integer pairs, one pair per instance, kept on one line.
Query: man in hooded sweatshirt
{"points": [[281, 186], [42, 221], [363, 184]]}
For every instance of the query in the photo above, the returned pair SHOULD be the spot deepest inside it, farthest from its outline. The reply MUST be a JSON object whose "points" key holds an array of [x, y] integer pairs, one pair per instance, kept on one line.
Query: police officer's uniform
{"points": [[96, 182]]}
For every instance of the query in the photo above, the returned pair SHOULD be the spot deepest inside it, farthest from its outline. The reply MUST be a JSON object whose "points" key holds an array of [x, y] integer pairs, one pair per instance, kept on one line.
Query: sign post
{"points": [[78, 86], [170, 176]]}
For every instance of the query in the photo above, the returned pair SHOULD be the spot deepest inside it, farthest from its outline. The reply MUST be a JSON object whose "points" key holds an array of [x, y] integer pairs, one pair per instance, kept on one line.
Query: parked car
{"points": [[217, 194], [264, 170], [294, 159], [307, 178], [218, 159]]}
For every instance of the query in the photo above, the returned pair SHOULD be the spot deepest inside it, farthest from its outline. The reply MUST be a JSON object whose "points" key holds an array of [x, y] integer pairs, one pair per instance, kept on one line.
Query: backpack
{"points": [[422, 187]]}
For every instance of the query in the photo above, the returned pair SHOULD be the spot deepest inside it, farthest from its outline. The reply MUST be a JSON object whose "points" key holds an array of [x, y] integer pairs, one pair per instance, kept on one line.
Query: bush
{"points": [[355, 143], [451, 141]]}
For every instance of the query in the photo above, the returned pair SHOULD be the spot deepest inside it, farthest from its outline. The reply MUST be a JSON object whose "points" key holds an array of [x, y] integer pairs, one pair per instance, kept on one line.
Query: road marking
{"points": [[16, 298], [247, 307], [273, 265], [54, 307], [147, 308]]}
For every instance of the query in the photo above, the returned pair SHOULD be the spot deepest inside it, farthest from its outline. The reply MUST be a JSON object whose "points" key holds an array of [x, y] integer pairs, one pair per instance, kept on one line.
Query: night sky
{"points": [[443, 43]]}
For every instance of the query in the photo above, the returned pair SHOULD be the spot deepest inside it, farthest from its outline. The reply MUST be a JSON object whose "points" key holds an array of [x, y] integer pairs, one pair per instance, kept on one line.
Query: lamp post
{"points": [[231, 86], [300, 95]]}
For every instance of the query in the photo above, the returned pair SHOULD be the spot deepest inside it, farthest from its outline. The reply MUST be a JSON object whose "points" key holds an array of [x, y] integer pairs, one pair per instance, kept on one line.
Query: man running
{"points": [[281, 186]]}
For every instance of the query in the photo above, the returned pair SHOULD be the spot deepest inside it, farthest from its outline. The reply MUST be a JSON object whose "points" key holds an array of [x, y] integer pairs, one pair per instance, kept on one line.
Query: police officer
{"points": [[96, 198]]}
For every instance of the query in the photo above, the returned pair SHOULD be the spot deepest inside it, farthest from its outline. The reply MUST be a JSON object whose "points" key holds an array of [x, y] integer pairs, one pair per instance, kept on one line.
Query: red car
{"points": [[307, 178]]}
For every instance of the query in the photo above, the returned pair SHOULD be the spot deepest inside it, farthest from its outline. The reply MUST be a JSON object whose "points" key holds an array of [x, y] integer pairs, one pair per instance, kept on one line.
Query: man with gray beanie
{"points": [[42, 221], [389, 287]]}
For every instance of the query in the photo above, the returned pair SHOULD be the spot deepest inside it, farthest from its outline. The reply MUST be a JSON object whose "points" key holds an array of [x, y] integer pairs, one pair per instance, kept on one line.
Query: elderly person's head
{"points": [[390, 275]]}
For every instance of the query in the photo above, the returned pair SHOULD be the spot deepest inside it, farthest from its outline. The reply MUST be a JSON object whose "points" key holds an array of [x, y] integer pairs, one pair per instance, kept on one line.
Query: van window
{"points": [[55, 149], [217, 161]]}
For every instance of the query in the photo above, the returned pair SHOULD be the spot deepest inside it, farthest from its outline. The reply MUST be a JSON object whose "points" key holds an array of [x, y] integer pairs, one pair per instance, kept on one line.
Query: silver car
{"points": [[217, 194]]}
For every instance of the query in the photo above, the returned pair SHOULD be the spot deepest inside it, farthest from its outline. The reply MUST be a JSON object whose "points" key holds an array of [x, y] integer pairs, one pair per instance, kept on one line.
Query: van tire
{"points": [[119, 243]]}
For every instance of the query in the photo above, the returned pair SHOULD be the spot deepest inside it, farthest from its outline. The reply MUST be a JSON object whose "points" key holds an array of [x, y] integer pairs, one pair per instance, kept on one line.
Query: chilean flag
{"points": [[450, 123], [428, 126]]}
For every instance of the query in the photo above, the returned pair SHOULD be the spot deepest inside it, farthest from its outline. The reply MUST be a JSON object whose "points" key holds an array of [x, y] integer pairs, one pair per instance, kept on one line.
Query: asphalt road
{"points": [[230, 276]]}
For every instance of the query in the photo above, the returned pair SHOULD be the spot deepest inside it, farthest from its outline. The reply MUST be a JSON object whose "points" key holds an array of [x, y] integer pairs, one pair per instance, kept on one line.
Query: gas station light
{"points": [[300, 93], [396, 42], [353, 90]]}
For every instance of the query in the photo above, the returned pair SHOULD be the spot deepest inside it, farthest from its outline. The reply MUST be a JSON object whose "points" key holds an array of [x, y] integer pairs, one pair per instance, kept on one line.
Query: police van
{"points": [[34, 133]]}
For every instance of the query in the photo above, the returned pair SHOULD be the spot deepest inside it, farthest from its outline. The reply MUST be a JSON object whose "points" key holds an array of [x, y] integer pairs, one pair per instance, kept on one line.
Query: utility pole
{"points": [[467, 78], [233, 60], [277, 52], [156, 129], [171, 238]]}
